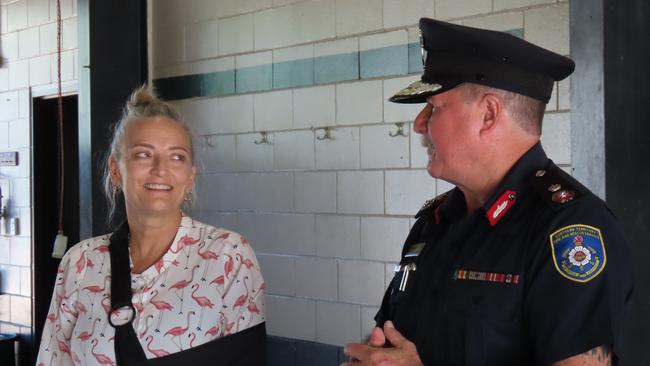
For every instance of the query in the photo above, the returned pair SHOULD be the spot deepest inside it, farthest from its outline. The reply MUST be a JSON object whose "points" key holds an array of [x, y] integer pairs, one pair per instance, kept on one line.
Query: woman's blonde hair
{"points": [[143, 103]]}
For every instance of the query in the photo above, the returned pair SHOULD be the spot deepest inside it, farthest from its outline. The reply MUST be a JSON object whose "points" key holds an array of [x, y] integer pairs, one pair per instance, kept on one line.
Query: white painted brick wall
{"points": [[498, 22], [18, 74], [294, 150], [291, 234], [8, 106], [314, 107], [256, 192], [399, 112], [28, 43], [368, 320], [315, 19], [273, 110], [252, 156], [451, 9], [400, 13], [273, 28], [39, 70], [380, 150], [317, 278], [279, 274], [19, 133], [407, 190], [556, 137], [337, 323], [315, 192], [340, 153], [291, 317], [361, 192], [200, 41], [538, 31], [17, 15], [500, 5], [382, 237], [361, 282], [358, 16], [9, 44], [337, 236], [235, 34], [359, 102]]}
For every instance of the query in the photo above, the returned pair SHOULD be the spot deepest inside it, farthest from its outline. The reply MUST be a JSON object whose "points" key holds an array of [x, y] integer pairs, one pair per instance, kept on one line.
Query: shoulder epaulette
{"points": [[556, 187], [431, 204]]}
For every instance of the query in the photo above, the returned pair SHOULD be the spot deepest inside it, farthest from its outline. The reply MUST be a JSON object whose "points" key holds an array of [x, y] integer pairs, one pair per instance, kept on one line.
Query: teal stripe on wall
{"points": [[384, 61], [293, 73], [335, 68]]}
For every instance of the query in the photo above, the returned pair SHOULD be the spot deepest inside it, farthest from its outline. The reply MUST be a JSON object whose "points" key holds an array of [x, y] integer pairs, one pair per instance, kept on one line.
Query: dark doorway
{"points": [[45, 172]]}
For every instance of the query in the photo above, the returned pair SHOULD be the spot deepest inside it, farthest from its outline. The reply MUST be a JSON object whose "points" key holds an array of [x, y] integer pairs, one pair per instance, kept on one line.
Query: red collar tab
{"points": [[501, 206]]}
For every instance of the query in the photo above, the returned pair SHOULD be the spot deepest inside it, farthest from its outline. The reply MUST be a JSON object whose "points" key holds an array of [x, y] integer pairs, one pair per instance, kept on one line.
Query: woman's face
{"points": [[155, 170]]}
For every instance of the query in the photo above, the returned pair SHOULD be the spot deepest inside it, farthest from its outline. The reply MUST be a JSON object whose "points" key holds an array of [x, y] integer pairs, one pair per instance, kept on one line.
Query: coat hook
{"points": [[400, 130], [208, 140], [327, 135], [263, 140]]}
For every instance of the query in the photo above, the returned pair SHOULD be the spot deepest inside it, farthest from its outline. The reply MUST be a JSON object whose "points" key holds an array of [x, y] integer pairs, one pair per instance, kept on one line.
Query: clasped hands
{"points": [[401, 351]]}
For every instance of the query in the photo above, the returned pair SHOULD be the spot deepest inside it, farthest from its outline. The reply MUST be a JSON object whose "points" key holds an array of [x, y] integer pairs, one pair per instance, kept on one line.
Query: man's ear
{"points": [[492, 111]]}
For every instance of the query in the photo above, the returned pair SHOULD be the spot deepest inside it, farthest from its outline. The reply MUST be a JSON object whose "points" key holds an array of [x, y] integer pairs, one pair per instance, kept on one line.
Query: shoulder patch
{"points": [[432, 204], [578, 252], [556, 187]]}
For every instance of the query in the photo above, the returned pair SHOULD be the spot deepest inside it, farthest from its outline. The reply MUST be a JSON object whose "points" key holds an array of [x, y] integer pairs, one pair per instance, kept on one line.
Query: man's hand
{"points": [[402, 352]]}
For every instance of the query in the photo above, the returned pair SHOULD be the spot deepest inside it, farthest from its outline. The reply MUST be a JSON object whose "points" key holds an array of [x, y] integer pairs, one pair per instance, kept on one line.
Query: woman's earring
{"points": [[188, 196]]}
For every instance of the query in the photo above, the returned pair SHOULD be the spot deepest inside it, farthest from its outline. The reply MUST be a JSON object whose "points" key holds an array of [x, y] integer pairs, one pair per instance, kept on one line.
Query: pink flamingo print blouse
{"points": [[207, 285]]}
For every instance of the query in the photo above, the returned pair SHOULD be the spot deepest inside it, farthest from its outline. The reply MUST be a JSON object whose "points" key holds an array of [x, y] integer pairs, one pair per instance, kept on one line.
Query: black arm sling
{"points": [[244, 348]]}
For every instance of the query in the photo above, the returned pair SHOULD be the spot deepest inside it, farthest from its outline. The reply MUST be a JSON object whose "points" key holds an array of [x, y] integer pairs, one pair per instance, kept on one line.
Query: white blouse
{"points": [[207, 285]]}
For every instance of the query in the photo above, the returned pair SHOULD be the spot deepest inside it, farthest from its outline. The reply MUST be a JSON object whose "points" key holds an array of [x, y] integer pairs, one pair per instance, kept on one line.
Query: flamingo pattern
{"points": [[220, 295]]}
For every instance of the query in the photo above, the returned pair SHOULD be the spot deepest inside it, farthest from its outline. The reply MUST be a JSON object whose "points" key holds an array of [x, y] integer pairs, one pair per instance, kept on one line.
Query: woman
{"points": [[163, 289]]}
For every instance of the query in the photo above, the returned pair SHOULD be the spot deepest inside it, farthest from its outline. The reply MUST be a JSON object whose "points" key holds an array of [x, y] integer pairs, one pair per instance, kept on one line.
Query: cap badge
{"points": [[422, 49], [554, 187], [501, 206], [578, 252], [540, 173]]}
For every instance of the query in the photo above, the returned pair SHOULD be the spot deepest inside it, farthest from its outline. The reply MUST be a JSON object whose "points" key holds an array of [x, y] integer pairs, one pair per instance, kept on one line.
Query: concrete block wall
{"points": [[327, 216], [28, 51]]}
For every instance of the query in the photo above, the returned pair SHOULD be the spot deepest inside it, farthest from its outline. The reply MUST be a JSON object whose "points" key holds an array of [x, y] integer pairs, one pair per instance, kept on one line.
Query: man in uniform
{"points": [[519, 264]]}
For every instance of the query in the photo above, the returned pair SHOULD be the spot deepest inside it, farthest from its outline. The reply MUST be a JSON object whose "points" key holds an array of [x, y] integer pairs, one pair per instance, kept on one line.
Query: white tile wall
{"points": [[282, 233], [47, 38], [4, 79], [235, 34], [314, 107], [407, 190], [338, 324], [3, 19], [67, 66], [279, 273], [17, 15], [419, 157], [382, 237], [341, 46], [207, 186], [21, 194], [358, 16], [254, 59], [68, 8], [252, 156], [367, 320], [19, 133], [263, 192], [361, 282], [538, 31], [552, 102], [564, 94], [273, 110], [4, 250], [498, 22], [28, 43], [291, 317], [389, 273], [448, 9], [20, 251], [69, 33], [317, 278], [359, 102], [24, 103], [315, 19], [169, 45], [39, 70], [38, 12], [18, 74], [219, 157], [374, 41], [556, 137], [340, 153], [380, 150], [9, 45], [315, 192], [8, 106], [294, 150], [360, 192], [273, 28], [399, 112], [293, 53], [399, 13], [513, 4], [201, 40], [234, 114], [4, 135], [231, 7], [337, 236]]}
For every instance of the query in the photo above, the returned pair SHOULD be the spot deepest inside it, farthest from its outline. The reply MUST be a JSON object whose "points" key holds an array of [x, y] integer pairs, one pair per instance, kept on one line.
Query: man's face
{"points": [[445, 124]]}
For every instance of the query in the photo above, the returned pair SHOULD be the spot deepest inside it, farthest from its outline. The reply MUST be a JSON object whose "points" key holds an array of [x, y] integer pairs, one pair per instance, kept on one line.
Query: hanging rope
{"points": [[60, 113]]}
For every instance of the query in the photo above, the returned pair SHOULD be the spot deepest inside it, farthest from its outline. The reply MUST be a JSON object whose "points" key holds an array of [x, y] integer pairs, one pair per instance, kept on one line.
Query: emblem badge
{"points": [[578, 252], [501, 206], [422, 49], [563, 196]]}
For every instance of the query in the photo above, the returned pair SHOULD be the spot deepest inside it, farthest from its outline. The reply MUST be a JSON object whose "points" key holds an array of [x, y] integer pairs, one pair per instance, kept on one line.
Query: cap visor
{"points": [[417, 92]]}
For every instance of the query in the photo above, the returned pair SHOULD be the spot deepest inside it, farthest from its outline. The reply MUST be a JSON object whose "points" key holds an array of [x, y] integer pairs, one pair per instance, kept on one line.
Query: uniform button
{"points": [[540, 173], [554, 187]]}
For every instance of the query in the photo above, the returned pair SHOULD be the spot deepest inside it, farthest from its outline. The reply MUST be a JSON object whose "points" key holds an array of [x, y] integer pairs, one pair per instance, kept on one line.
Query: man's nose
{"points": [[420, 124]]}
